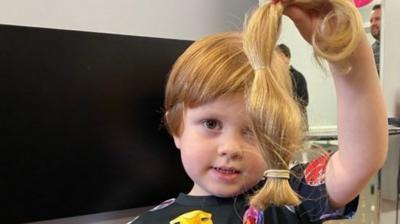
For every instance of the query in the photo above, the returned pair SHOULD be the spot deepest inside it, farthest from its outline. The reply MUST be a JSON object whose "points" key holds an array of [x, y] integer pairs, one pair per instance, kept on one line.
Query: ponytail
{"points": [[277, 120]]}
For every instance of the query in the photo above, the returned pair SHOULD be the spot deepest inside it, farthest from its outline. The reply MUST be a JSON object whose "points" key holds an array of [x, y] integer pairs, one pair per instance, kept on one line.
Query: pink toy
{"points": [[361, 3], [253, 216]]}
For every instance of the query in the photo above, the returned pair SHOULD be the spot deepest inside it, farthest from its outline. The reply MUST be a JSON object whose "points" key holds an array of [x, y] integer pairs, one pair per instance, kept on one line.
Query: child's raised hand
{"points": [[305, 20], [334, 28]]}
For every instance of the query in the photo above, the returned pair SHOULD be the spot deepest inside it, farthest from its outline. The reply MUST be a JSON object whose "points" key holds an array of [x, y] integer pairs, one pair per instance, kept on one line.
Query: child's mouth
{"points": [[226, 170], [226, 175]]}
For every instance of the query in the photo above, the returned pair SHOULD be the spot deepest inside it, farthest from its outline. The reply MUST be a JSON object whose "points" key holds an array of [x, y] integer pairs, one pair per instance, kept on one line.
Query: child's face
{"points": [[218, 150]]}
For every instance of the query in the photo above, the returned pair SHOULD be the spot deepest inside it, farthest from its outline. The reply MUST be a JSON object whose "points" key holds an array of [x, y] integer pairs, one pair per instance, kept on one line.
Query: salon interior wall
{"points": [[390, 51], [175, 19], [191, 19], [322, 101]]}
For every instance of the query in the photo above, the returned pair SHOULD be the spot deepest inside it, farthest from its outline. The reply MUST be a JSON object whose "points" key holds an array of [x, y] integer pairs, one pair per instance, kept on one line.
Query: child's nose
{"points": [[231, 147]]}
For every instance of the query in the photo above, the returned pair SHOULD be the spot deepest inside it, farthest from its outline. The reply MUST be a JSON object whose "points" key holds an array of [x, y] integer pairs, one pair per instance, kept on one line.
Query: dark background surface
{"points": [[80, 121]]}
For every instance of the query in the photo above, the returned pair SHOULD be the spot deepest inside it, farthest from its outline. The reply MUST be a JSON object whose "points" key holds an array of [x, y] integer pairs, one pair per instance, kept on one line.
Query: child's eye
{"points": [[212, 124]]}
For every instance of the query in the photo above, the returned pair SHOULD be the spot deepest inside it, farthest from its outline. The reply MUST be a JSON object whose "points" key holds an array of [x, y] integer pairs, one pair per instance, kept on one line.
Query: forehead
{"points": [[231, 106], [223, 104], [375, 13]]}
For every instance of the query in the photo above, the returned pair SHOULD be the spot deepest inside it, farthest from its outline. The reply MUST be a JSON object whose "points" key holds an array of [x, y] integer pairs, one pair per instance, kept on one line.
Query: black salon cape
{"points": [[313, 209]]}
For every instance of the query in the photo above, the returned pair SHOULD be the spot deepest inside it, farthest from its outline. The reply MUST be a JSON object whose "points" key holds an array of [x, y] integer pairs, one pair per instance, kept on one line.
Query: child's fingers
{"points": [[304, 20]]}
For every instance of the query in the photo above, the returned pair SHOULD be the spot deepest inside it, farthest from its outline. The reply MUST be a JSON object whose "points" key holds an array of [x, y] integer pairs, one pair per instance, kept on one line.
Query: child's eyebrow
{"points": [[209, 113]]}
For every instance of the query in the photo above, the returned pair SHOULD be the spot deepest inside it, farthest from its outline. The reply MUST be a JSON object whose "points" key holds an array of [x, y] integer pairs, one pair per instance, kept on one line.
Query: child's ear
{"points": [[177, 141]]}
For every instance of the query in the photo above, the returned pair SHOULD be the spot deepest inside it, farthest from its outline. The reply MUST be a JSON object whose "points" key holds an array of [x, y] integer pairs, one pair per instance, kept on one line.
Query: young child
{"points": [[230, 110]]}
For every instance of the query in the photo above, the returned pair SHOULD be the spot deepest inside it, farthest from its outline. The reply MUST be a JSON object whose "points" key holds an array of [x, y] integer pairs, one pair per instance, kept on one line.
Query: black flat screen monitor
{"points": [[81, 128]]}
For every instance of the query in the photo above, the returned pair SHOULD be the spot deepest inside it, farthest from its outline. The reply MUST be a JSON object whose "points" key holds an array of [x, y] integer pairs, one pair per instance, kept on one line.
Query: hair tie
{"points": [[280, 174], [258, 68]]}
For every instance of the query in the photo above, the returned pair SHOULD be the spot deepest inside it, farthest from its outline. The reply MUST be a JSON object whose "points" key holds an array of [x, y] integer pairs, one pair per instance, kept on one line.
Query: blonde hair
{"points": [[248, 63]]}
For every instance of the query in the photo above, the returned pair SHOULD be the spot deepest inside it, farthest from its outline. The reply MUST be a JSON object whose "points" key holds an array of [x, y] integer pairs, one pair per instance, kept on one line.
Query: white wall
{"points": [[176, 19], [322, 106], [390, 54]]}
